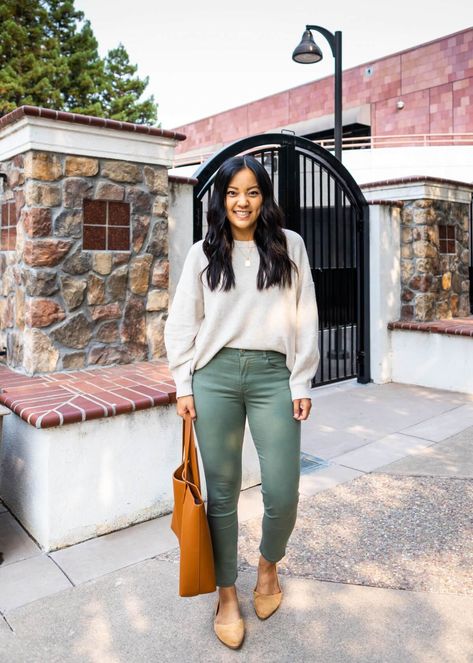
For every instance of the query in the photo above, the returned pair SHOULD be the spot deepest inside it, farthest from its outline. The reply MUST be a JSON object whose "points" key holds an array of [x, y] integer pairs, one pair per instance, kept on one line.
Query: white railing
{"points": [[363, 142], [401, 140]]}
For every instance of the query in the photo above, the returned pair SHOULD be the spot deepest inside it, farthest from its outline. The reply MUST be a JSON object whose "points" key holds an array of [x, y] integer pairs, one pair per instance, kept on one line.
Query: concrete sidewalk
{"points": [[349, 594]]}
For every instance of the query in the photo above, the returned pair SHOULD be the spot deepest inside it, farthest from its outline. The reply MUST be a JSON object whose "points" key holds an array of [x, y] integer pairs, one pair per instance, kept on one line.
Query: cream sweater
{"points": [[201, 321]]}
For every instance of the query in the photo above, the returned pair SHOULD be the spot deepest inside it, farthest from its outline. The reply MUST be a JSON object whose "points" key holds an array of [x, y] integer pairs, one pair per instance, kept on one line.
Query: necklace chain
{"points": [[247, 256]]}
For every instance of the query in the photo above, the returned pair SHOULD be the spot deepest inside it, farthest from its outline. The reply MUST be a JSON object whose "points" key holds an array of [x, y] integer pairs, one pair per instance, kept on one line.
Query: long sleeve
{"points": [[184, 319], [307, 355]]}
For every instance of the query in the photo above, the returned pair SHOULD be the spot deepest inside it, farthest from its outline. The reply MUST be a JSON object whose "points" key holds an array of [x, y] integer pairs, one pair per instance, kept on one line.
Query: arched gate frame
{"points": [[323, 203]]}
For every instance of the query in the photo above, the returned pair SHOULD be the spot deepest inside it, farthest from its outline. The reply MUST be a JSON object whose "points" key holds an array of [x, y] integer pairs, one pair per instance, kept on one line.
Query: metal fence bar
{"points": [[353, 264], [329, 274], [346, 290], [322, 280]]}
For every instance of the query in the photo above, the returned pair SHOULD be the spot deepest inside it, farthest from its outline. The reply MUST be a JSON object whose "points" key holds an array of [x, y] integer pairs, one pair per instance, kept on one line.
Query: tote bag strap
{"points": [[190, 470]]}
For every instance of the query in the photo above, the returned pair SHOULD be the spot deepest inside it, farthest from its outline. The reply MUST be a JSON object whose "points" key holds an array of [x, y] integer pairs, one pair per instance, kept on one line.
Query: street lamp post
{"points": [[308, 52]]}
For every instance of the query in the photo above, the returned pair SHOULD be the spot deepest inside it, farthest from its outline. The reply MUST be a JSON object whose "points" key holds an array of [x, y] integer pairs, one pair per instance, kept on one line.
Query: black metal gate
{"points": [[324, 204]]}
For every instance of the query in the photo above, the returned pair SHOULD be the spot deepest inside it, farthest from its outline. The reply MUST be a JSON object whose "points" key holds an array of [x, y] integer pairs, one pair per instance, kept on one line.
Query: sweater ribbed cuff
{"points": [[183, 380], [300, 391]]}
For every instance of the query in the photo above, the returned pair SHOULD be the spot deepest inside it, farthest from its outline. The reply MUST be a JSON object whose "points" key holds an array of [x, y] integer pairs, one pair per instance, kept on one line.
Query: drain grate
{"points": [[311, 463]]}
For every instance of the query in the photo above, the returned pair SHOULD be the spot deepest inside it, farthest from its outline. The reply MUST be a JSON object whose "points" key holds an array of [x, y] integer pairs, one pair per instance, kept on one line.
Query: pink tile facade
{"points": [[440, 108], [435, 81], [259, 112], [439, 62], [463, 105], [310, 100], [361, 87], [413, 119]]}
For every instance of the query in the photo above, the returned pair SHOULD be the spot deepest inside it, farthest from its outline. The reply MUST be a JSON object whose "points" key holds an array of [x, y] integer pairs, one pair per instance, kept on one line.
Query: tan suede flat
{"points": [[266, 604], [233, 634]]}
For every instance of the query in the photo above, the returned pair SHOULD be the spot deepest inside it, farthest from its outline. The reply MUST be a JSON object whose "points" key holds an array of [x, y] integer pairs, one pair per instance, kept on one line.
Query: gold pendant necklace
{"points": [[247, 257]]}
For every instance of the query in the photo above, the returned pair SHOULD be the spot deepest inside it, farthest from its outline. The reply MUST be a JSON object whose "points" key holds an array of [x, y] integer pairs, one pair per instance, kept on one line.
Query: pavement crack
{"points": [[8, 623], [418, 437], [61, 569], [357, 469], [406, 428]]}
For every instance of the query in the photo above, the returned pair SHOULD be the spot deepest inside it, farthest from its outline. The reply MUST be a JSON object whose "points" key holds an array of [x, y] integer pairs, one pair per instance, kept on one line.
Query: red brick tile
{"points": [[48, 420], [119, 214], [92, 409], [4, 244], [456, 326], [134, 397], [118, 239], [12, 239], [123, 408], [115, 403], [70, 414], [166, 388], [125, 381], [62, 398], [95, 212], [158, 397], [94, 238]]}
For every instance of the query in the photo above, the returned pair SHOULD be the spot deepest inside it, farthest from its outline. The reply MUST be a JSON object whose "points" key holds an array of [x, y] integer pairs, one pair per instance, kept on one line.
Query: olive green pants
{"points": [[233, 385]]}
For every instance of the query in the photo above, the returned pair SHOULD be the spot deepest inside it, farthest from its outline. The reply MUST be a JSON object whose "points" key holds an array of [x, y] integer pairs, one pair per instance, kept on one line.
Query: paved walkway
{"points": [[394, 495]]}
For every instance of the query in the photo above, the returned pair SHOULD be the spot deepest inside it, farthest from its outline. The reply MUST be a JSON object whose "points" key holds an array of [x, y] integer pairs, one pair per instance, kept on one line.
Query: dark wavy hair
{"points": [[275, 264]]}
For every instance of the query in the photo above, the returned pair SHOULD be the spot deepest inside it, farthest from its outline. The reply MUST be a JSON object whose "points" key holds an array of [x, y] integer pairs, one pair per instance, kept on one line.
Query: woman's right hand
{"points": [[185, 404]]}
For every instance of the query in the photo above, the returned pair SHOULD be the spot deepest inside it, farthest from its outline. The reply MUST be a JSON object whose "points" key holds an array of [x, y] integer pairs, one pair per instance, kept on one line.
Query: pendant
{"points": [[247, 262]]}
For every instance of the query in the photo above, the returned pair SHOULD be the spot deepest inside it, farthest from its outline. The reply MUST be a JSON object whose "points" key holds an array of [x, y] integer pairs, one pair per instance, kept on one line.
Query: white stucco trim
{"points": [[420, 190], [46, 135], [78, 481], [440, 361]]}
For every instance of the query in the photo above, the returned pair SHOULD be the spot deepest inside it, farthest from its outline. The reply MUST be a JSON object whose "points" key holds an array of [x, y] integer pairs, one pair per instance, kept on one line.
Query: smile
{"points": [[242, 214]]}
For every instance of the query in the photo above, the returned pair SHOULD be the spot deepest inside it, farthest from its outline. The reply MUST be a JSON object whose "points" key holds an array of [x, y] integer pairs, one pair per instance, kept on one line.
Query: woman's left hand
{"points": [[302, 407]]}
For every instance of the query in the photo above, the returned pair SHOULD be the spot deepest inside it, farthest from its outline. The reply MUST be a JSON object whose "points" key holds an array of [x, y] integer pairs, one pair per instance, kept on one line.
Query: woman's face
{"points": [[243, 202]]}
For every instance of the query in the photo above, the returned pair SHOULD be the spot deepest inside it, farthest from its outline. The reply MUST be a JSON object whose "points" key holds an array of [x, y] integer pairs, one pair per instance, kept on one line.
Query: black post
{"points": [[338, 95], [305, 54]]}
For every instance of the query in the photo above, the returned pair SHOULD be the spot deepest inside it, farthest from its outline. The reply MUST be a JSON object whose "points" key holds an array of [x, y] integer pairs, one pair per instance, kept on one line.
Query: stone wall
{"points": [[63, 307], [435, 284]]}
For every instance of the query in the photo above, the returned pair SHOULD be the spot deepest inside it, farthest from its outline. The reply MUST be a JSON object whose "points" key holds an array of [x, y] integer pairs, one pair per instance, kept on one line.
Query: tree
{"points": [[49, 57], [79, 51], [123, 90], [31, 69]]}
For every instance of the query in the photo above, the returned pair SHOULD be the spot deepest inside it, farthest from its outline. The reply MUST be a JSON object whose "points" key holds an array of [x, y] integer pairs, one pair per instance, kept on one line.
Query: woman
{"points": [[241, 339]]}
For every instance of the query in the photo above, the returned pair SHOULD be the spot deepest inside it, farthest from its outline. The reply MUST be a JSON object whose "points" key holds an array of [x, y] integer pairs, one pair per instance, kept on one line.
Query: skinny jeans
{"points": [[233, 385]]}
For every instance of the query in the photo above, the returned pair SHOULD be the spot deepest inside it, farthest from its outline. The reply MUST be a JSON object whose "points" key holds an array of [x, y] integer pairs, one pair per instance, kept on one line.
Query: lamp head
{"points": [[307, 52]]}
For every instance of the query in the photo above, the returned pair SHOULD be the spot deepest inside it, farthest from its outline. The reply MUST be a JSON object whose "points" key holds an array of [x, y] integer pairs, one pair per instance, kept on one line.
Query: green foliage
{"points": [[49, 57], [78, 49], [123, 90], [30, 67]]}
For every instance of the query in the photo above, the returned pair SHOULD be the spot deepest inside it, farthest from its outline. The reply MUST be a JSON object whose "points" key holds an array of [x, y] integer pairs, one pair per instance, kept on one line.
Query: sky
{"points": [[208, 56]]}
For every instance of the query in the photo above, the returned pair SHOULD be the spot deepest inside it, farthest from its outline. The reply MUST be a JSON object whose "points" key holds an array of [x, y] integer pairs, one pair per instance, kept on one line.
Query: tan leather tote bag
{"points": [[189, 522]]}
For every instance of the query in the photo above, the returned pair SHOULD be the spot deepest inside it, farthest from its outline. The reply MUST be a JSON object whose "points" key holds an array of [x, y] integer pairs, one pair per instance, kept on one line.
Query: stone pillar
{"points": [[435, 256], [85, 280]]}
